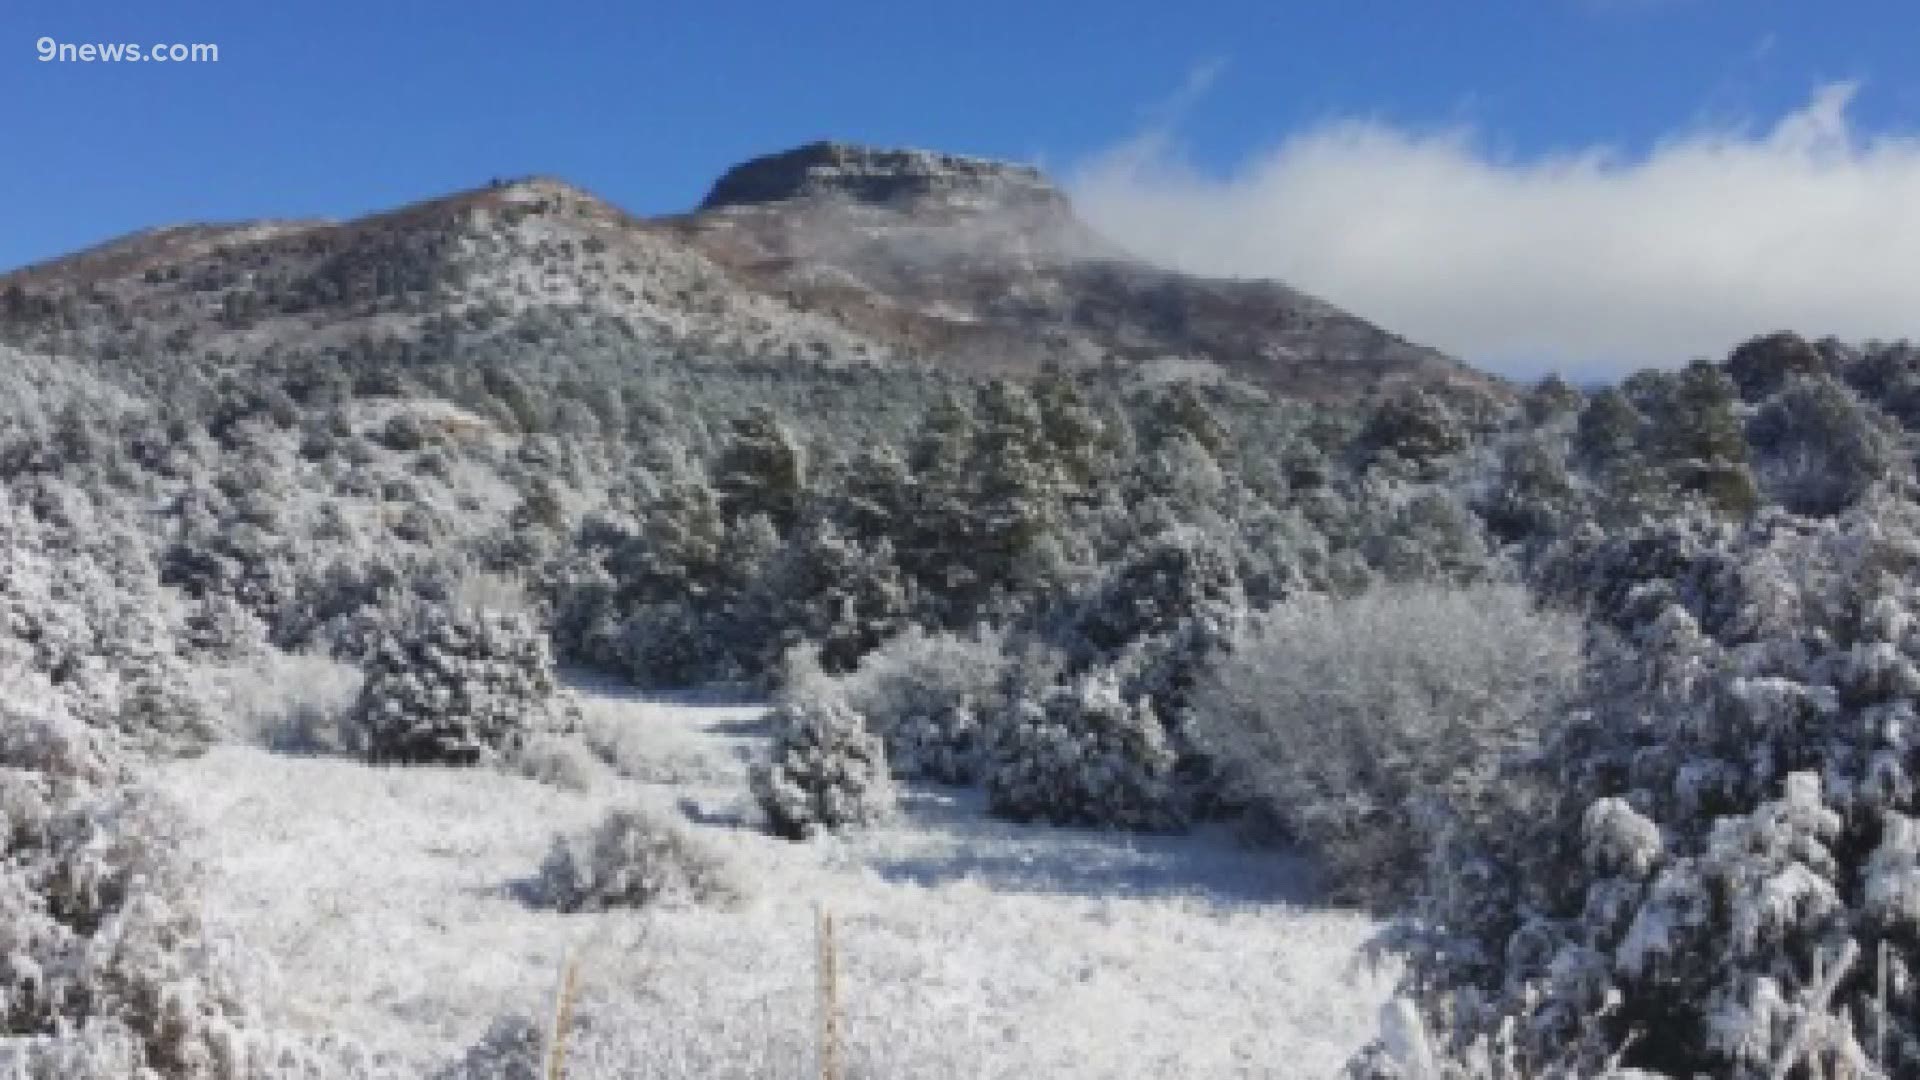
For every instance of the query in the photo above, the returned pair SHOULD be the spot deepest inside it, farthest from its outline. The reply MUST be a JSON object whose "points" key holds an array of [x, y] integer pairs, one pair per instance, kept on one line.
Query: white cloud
{"points": [[1590, 262]]}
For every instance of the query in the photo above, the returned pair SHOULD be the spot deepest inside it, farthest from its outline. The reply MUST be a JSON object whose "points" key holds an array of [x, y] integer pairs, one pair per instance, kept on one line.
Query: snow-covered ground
{"points": [[391, 903]]}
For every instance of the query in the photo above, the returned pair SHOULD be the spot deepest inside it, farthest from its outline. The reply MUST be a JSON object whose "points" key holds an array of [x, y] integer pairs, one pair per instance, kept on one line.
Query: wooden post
{"points": [[1880, 1012], [562, 1017], [829, 999]]}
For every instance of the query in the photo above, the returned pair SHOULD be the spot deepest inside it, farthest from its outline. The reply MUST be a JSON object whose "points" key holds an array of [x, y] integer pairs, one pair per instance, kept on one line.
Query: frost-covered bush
{"points": [[103, 963], [565, 761], [1762, 365], [654, 753], [83, 624], [1351, 721], [1082, 753], [924, 694], [1415, 426], [151, 699], [221, 628], [456, 686], [636, 858], [1426, 535], [824, 589], [1818, 448], [1709, 867], [1533, 496], [514, 1047], [298, 703], [826, 771], [666, 644], [1178, 577]]}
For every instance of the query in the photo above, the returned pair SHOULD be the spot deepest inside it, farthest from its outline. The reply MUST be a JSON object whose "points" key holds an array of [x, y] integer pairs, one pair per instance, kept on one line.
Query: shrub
{"points": [[1415, 426], [1762, 365], [222, 628], [1709, 867], [562, 761], [454, 686], [1176, 578], [40, 737], [652, 753], [1346, 721], [514, 1047], [296, 703], [1818, 448], [99, 943], [826, 771], [635, 858], [923, 694], [147, 698], [944, 744], [91, 621], [668, 644], [1082, 754]]}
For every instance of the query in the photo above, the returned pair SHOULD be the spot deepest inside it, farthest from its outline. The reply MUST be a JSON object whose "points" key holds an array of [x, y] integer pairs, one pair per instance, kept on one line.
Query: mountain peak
{"points": [[877, 175], [831, 251]]}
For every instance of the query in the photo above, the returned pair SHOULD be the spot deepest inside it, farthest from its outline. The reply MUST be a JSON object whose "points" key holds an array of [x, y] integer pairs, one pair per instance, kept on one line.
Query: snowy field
{"points": [[392, 904]]}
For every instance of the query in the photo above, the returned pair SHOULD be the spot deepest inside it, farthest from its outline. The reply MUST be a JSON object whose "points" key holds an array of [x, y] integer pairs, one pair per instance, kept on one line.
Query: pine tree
{"points": [[1017, 492], [1075, 434], [1608, 433], [1180, 409], [1818, 447], [1414, 426], [1761, 366], [762, 470], [936, 537]]}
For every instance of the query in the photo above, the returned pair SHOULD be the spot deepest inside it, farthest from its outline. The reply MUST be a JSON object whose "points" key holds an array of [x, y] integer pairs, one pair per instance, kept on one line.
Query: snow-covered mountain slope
{"points": [[390, 901], [831, 253]]}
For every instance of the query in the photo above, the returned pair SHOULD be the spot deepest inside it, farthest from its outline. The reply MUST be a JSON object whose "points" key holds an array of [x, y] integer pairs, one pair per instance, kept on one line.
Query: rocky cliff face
{"points": [[898, 178], [830, 251], [984, 265]]}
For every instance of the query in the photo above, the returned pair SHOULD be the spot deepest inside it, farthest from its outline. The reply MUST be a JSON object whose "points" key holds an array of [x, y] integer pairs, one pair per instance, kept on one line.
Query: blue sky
{"points": [[351, 106]]}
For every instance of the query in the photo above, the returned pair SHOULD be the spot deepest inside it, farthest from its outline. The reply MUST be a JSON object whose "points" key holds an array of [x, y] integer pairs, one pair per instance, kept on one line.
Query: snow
{"points": [[643, 276], [390, 903]]}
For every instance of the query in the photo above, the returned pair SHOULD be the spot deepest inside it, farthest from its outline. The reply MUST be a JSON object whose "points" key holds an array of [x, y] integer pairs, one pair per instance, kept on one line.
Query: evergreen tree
{"points": [[1762, 366], [1017, 493], [936, 543], [762, 470], [1075, 435], [1818, 449], [1533, 495], [1609, 431], [1549, 399], [1413, 426]]}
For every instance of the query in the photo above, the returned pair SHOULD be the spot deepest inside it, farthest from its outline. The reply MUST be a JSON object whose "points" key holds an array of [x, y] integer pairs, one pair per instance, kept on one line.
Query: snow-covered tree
{"points": [[1705, 869], [762, 470], [452, 686], [1818, 448], [825, 771], [1762, 366], [1414, 426], [927, 695], [1081, 753]]}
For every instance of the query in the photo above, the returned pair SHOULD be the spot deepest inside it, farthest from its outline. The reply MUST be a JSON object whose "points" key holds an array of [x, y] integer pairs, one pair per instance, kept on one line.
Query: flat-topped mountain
{"points": [[832, 252], [866, 174]]}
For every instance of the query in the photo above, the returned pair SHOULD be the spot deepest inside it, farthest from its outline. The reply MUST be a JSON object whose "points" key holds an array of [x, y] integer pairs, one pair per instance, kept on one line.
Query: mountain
{"points": [[830, 251]]}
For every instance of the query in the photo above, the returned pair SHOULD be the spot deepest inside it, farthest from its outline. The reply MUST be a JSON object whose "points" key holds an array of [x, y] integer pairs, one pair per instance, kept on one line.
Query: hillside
{"points": [[831, 252]]}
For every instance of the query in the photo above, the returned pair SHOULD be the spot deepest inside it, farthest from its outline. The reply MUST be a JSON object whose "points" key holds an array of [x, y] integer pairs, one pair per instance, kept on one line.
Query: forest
{"points": [[1602, 699]]}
